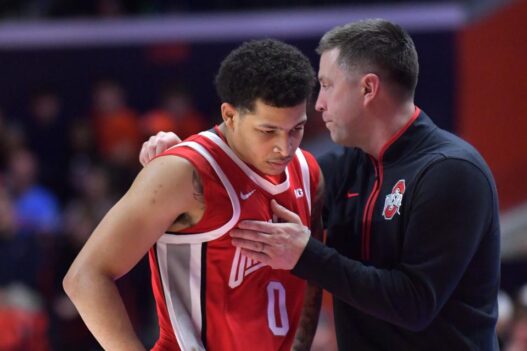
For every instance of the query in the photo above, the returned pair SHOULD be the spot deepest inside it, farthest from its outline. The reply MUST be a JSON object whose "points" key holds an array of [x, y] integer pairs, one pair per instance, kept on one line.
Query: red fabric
{"points": [[237, 311], [23, 330]]}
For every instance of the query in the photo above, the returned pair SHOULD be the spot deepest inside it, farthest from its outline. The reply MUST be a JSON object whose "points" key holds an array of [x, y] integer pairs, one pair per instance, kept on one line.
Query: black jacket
{"points": [[413, 236]]}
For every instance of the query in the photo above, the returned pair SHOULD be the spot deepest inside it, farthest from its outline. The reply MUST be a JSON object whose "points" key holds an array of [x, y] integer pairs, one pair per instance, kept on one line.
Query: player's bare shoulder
{"points": [[183, 184], [175, 182]]}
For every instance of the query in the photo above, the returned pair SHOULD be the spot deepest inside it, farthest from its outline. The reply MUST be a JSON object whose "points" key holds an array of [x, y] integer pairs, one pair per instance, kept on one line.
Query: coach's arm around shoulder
{"points": [[161, 192]]}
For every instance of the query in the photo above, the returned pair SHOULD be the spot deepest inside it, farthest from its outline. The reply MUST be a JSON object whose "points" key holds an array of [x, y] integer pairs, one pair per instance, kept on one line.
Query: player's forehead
{"points": [[268, 116]]}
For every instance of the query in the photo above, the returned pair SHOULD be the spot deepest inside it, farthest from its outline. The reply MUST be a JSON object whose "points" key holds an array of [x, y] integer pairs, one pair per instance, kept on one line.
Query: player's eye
{"points": [[297, 129], [266, 131]]}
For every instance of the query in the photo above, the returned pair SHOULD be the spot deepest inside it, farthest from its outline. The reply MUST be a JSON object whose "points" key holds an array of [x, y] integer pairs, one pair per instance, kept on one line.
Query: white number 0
{"points": [[271, 316]]}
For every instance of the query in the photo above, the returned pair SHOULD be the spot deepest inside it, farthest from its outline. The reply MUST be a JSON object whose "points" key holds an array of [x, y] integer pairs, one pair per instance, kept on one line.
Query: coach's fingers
{"points": [[145, 155], [250, 235], [157, 144], [143, 159], [151, 148], [283, 213], [251, 245], [257, 256], [164, 141]]}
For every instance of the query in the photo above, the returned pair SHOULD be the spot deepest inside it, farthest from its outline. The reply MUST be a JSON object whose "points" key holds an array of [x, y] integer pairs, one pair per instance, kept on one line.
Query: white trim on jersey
{"points": [[180, 255], [216, 233], [185, 327], [195, 285], [266, 185], [305, 177]]}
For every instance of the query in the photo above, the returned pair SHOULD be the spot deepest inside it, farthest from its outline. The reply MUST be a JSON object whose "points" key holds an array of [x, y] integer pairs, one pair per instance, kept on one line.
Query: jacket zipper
{"points": [[372, 199], [368, 211]]}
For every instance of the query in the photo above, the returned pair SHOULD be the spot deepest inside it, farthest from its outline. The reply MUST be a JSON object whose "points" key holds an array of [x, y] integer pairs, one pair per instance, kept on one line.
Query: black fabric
{"points": [[432, 276]]}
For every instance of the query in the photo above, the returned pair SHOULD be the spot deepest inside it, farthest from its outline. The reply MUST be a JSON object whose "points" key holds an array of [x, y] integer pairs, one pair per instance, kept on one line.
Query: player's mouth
{"points": [[280, 163]]}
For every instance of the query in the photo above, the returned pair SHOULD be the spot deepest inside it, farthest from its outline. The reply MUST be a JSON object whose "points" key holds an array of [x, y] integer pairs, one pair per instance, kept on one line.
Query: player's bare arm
{"points": [[191, 217], [313, 298], [162, 193]]}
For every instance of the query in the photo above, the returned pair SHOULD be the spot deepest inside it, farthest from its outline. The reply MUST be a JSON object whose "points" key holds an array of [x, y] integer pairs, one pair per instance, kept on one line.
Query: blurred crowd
{"points": [[512, 321], [58, 177]]}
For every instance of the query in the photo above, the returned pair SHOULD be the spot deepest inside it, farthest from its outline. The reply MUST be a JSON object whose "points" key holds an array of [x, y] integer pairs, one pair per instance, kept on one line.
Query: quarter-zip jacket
{"points": [[412, 255]]}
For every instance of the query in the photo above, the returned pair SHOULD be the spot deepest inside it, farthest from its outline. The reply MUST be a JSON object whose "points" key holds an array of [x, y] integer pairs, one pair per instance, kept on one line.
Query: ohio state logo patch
{"points": [[393, 201]]}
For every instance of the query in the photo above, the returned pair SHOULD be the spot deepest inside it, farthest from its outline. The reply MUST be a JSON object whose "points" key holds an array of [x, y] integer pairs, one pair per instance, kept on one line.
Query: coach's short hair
{"points": [[376, 46], [270, 70]]}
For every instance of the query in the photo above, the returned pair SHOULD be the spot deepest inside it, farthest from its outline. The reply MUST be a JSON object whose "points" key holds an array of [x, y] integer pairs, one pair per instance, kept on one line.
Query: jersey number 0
{"points": [[279, 325]]}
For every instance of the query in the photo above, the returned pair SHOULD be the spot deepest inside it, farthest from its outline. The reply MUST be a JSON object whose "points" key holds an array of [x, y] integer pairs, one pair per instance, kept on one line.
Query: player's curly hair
{"points": [[270, 70]]}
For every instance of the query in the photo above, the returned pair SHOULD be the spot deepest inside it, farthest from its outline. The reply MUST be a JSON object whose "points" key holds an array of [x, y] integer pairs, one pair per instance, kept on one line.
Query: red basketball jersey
{"points": [[208, 295]]}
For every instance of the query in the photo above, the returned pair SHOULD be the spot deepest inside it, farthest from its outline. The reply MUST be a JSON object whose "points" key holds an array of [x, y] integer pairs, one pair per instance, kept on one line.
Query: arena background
{"points": [[473, 82]]}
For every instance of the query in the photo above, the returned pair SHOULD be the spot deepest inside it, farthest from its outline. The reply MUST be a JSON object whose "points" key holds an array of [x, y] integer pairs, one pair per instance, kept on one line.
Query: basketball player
{"points": [[182, 206], [411, 210]]}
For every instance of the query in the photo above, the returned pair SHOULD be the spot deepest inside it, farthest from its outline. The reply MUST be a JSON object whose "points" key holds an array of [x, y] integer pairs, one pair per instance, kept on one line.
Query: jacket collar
{"points": [[407, 138]]}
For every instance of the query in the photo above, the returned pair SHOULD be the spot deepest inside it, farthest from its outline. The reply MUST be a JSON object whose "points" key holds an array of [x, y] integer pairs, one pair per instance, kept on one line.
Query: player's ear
{"points": [[228, 113]]}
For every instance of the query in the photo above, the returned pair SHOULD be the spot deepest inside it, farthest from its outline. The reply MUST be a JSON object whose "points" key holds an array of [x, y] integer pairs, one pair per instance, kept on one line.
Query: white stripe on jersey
{"points": [[180, 293], [216, 233], [305, 177]]}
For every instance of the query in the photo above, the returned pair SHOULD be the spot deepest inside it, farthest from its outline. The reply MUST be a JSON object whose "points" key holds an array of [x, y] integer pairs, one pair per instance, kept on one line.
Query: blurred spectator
{"points": [[4, 133], [110, 8], [36, 208], [11, 137], [46, 137], [176, 113], [82, 153], [518, 336], [505, 317], [94, 200], [116, 125], [117, 133], [19, 255], [70, 332], [23, 322]]}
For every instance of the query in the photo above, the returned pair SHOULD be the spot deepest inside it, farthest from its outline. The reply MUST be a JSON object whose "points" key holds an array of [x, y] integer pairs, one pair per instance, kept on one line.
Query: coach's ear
{"points": [[229, 113]]}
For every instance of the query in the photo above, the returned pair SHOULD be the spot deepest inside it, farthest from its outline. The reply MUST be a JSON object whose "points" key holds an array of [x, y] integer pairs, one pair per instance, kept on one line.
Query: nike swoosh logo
{"points": [[350, 195], [247, 195]]}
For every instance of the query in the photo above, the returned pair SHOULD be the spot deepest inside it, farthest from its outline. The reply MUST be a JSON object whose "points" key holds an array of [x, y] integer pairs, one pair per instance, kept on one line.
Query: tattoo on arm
{"points": [[198, 188], [317, 228], [309, 319]]}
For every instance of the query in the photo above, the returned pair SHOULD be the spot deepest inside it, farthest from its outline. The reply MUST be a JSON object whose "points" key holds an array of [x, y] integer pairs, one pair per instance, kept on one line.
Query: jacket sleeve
{"points": [[451, 209]]}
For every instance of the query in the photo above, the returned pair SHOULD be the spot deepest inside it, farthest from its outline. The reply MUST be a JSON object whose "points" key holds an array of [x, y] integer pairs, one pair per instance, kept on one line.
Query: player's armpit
{"points": [[161, 192]]}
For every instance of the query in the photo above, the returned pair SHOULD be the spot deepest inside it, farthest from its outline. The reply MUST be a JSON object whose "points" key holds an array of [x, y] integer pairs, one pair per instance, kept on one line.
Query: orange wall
{"points": [[492, 96]]}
